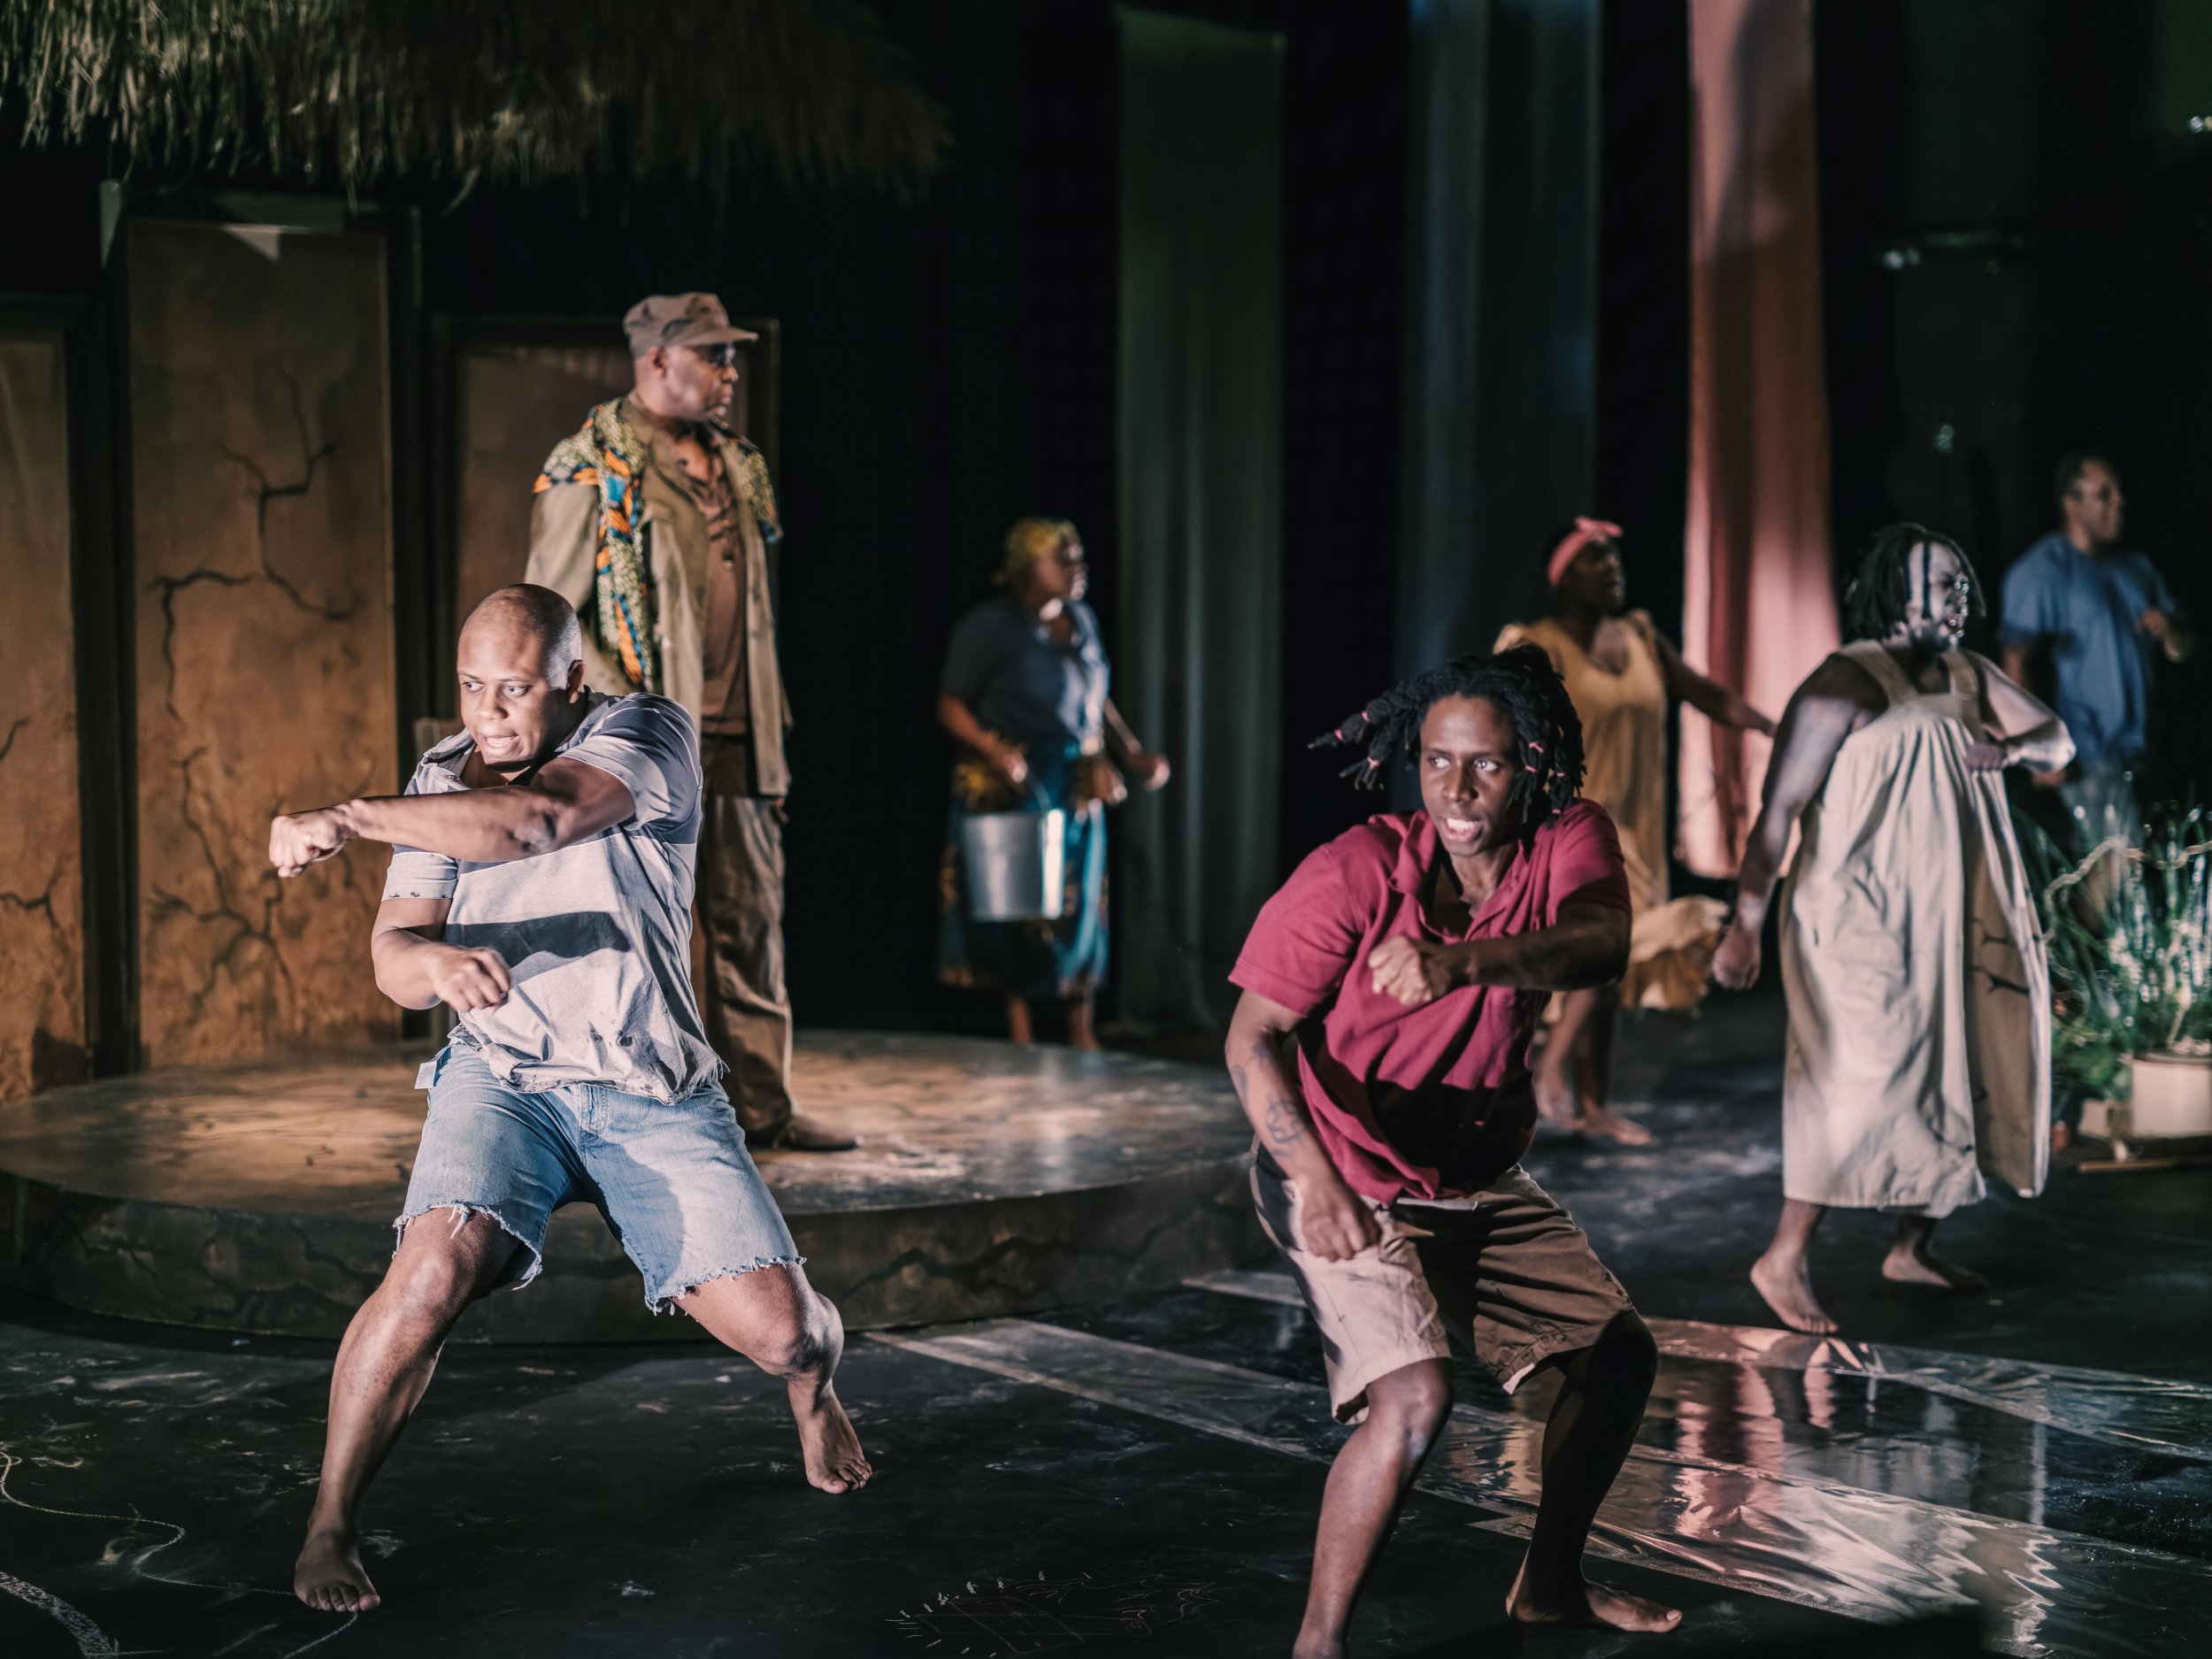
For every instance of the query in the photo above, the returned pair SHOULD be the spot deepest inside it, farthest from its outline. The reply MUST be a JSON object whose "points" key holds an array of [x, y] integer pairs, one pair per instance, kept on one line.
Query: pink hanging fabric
{"points": [[1759, 607]]}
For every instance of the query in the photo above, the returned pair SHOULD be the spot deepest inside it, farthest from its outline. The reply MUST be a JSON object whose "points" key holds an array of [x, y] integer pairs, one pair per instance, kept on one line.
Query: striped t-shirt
{"points": [[597, 936]]}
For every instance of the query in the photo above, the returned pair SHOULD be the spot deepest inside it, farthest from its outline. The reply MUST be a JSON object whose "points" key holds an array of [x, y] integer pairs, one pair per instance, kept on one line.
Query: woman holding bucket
{"points": [[1024, 693]]}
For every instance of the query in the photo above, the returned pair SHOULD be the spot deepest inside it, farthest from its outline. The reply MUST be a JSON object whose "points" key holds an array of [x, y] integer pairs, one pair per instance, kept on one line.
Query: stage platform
{"points": [[993, 1179]]}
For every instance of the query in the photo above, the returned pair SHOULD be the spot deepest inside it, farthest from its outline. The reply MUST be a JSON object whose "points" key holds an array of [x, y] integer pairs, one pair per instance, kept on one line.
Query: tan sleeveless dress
{"points": [[1624, 751], [1920, 1010]]}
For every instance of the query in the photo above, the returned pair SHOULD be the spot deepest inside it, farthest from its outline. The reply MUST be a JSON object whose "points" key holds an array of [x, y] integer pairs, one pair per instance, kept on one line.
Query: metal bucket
{"points": [[1015, 865]]}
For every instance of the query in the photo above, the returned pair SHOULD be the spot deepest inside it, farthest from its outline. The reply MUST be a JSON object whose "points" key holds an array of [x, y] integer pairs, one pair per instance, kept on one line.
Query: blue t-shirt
{"points": [[1004, 665], [2086, 608]]}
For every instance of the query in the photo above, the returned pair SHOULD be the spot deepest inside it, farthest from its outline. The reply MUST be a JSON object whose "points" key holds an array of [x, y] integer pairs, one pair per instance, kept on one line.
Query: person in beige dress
{"points": [[1919, 999], [1619, 671]]}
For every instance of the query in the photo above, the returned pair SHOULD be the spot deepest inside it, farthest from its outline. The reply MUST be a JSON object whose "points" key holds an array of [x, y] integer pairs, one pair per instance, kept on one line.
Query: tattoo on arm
{"points": [[1572, 954], [1279, 1117], [1284, 1124]]}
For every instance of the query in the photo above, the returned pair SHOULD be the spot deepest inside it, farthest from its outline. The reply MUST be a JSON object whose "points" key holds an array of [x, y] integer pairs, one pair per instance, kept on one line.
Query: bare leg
{"points": [[1080, 1032], [1781, 1276], [1406, 1410], [1555, 1067], [1593, 1425], [774, 1319], [1017, 1020], [384, 1364], [1591, 1059], [1910, 1260]]}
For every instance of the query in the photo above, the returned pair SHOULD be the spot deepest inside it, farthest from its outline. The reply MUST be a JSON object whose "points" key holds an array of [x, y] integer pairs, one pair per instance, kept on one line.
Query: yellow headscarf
{"points": [[1029, 541]]}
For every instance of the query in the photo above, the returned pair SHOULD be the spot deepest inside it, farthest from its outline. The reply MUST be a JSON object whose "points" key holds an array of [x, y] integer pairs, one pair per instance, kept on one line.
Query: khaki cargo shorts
{"points": [[1506, 1270]]}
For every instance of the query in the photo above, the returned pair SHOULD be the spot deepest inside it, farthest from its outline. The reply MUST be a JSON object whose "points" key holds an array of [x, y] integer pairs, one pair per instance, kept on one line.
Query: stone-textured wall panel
{"points": [[261, 492], [516, 402], [41, 916]]}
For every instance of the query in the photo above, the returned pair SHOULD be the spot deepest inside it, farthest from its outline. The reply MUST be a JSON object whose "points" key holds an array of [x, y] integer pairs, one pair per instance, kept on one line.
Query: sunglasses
{"points": [[722, 356]]}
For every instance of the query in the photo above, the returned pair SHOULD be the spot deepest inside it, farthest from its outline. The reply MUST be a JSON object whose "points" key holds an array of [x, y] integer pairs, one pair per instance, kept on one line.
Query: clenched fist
{"points": [[306, 838], [1985, 756], [467, 980], [1414, 970], [1107, 783], [1736, 963], [1150, 771], [1334, 1223]]}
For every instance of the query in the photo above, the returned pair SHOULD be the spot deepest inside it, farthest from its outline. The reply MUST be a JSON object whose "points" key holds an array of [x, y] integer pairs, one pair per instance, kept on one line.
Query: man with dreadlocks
{"points": [[1920, 1016], [1405, 965]]}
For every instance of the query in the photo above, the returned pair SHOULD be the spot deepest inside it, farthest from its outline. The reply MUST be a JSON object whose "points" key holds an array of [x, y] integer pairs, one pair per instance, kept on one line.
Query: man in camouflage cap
{"points": [[657, 523]]}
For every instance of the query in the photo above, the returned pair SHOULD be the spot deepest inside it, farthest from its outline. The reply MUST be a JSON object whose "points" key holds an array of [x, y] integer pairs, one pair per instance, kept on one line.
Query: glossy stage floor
{"points": [[991, 1178], [2028, 1471]]}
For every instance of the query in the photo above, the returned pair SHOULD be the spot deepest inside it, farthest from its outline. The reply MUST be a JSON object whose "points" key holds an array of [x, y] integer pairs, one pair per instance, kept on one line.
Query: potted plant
{"points": [[2129, 933]]}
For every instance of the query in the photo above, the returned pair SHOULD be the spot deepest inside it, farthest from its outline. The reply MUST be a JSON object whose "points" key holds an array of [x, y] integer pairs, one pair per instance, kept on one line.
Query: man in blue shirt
{"points": [[2101, 612]]}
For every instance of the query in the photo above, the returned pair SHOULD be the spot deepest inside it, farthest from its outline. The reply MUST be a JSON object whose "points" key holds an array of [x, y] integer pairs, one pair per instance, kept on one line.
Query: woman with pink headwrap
{"points": [[1619, 671]]}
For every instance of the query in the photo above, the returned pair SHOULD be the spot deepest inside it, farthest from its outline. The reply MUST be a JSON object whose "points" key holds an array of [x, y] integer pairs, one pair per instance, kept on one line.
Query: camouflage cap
{"points": [[679, 319]]}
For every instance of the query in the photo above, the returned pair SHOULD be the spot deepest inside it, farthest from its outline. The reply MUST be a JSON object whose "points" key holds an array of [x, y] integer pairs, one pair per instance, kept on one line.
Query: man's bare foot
{"points": [[1904, 1265], [1582, 1603], [1608, 1125], [1318, 1646], [835, 1461], [1787, 1287], [806, 1132], [329, 1576]]}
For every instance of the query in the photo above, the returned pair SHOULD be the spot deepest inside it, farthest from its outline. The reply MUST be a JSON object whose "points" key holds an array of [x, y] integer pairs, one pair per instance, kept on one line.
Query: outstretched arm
{"points": [[566, 801], [1334, 1223], [1149, 769], [1716, 702], [1823, 713]]}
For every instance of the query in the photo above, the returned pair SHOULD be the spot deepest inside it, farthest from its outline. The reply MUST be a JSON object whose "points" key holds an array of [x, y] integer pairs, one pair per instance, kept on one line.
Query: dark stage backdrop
{"points": [[1501, 320], [2018, 221], [1201, 444]]}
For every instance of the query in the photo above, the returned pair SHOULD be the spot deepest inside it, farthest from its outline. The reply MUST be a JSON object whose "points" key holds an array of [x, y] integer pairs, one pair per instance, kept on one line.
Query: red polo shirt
{"points": [[1417, 1103]]}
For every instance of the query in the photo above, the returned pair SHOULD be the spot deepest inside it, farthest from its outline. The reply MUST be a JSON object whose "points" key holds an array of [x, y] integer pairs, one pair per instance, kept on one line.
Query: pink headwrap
{"points": [[1585, 531]]}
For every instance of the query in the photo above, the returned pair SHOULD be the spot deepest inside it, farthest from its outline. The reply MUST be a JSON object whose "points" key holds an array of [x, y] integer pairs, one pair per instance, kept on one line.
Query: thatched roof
{"points": [[810, 91]]}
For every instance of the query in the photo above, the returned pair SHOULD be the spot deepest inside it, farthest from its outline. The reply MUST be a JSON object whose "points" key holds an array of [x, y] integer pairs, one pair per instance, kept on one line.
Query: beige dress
{"points": [[1624, 750], [1920, 1010]]}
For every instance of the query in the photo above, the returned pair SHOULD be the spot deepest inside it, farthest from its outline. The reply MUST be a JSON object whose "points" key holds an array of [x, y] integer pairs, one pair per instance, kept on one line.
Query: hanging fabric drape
{"points": [[1501, 357], [1759, 608], [1197, 665]]}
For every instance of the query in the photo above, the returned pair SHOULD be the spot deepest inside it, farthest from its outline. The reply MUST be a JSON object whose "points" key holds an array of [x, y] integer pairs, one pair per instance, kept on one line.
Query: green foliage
{"points": [[809, 90], [2129, 937]]}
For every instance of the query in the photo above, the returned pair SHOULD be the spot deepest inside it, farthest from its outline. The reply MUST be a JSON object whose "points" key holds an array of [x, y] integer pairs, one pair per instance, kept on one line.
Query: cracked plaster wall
{"points": [[41, 925], [261, 490], [515, 403]]}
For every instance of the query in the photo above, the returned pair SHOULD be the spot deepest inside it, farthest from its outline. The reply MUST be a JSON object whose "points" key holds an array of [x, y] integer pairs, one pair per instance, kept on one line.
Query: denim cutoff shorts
{"points": [[673, 1180]]}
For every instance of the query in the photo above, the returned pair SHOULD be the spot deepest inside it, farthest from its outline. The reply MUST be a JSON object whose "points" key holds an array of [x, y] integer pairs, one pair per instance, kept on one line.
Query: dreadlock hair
{"points": [[1520, 683], [1876, 597]]}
